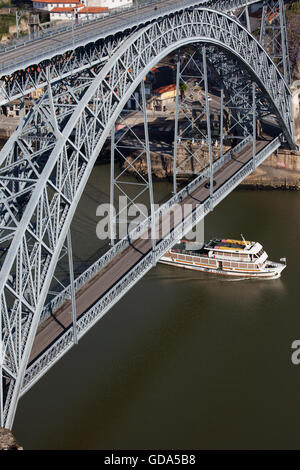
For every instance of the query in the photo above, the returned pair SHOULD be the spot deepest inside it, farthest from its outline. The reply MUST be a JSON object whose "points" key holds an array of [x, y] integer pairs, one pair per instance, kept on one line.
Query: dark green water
{"points": [[184, 360]]}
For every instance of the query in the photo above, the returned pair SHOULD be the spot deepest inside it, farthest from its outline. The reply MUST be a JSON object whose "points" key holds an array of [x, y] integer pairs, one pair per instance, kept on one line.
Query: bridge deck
{"points": [[57, 42], [56, 325], [62, 41]]}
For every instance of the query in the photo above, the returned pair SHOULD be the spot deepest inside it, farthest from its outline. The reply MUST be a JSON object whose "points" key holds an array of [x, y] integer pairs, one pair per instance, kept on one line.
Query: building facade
{"points": [[163, 97], [78, 9]]}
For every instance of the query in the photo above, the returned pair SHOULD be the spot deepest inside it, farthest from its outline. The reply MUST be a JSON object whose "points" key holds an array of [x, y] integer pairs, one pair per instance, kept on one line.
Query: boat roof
{"points": [[219, 245], [231, 245]]}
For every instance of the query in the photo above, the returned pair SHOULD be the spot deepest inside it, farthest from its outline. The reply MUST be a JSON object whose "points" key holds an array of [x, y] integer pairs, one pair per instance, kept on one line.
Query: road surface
{"points": [[50, 330]]}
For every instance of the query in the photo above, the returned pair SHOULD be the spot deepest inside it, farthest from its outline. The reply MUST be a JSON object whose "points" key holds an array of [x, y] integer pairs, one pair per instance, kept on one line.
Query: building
{"points": [[110, 4], [92, 12], [12, 109], [77, 12], [73, 9], [163, 97], [48, 5]]}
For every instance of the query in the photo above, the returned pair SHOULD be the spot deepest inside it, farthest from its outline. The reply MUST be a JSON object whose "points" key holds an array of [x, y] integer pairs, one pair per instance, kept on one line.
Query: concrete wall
{"points": [[109, 3], [295, 89], [284, 159]]}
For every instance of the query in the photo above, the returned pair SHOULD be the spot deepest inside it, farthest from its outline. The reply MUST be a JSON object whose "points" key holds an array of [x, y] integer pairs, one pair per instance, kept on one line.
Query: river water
{"points": [[185, 360]]}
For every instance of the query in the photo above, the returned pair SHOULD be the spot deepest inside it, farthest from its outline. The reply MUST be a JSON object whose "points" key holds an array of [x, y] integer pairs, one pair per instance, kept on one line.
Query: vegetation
{"points": [[183, 86], [6, 21]]}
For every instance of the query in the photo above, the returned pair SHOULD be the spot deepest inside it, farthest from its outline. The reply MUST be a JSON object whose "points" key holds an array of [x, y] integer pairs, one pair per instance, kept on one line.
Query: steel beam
{"points": [[211, 173], [253, 123], [221, 120], [149, 169], [176, 122], [63, 344], [112, 220], [52, 154], [273, 35], [73, 299]]}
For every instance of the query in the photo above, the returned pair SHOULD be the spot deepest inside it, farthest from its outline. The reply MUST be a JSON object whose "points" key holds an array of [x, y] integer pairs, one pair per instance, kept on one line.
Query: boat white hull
{"points": [[269, 273]]}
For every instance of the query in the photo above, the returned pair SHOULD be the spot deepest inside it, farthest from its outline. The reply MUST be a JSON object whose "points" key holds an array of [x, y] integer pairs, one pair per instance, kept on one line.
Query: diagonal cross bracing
{"points": [[40, 218]]}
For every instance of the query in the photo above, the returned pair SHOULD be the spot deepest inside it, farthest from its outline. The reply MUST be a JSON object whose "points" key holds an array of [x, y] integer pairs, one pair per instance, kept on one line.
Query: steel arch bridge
{"points": [[45, 165]]}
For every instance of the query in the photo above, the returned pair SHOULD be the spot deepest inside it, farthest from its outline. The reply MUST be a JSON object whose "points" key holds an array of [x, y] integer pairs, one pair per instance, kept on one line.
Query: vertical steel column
{"points": [[69, 242], [112, 185], [208, 127], [176, 123], [284, 45], [147, 148], [247, 18], [52, 108], [273, 35], [221, 120], [73, 38], [263, 23], [253, 123]]}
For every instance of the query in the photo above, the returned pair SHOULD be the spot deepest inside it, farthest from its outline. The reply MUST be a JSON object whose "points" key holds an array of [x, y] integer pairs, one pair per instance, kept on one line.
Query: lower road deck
{"points": [[61, 319]]}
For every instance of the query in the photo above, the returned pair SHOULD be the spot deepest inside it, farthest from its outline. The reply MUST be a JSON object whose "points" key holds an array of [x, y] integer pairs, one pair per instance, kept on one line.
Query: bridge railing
{"points": [[122, 244], [234, 181], [71, 25], [270, 148], [222, 5], [57, 349], [87, 321]]}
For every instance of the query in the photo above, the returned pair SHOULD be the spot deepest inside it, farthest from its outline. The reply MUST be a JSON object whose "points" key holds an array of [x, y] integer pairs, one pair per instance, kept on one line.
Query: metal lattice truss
{"points": [[38, 75], [191, 120], [63, 344], [20, 77], [237, 87], [130, 146], [273, 35], [45, 165]]}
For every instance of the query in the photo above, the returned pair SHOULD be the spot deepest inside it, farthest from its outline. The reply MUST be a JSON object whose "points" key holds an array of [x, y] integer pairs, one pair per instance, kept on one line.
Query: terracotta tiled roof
{"points": [[93, 10], [164, 89]]}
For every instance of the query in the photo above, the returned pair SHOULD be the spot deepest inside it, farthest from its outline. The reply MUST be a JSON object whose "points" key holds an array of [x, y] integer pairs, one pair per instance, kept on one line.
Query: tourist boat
{"points": [[225, 256]]}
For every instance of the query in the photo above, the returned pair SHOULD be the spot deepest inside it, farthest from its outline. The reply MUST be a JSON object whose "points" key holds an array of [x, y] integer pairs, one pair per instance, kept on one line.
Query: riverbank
{"points": [[279, 171]]}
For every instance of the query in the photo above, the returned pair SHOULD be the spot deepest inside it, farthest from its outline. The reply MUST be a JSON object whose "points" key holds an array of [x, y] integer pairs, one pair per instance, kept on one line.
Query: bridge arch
{"points": [[52, 204]]}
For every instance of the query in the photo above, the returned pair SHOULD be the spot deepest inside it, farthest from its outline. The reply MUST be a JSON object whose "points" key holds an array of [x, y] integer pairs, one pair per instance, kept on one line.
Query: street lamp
{"points": [[17, 23]]}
